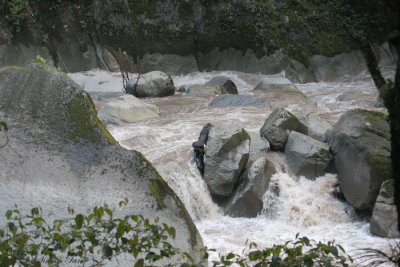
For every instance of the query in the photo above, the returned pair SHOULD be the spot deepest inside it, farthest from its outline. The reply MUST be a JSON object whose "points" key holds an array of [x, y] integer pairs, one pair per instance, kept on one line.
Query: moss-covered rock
{"points": [[60, 154], [226, 156], [277, 127], [360, 142]]}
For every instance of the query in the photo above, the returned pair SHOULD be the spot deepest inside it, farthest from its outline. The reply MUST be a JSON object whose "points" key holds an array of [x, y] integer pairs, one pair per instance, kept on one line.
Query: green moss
{"points": [[84, 123], [234, 141]]}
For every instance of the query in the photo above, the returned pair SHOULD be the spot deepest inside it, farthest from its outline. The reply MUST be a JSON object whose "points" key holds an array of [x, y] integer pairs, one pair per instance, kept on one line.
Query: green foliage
{"points": [[16, 11], [99, 237], [299, 252], [94, 238], [40, 60]]}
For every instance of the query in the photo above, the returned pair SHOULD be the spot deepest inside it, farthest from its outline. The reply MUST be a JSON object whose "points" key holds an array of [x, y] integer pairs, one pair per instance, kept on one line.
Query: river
{"points": [[303, 206]]}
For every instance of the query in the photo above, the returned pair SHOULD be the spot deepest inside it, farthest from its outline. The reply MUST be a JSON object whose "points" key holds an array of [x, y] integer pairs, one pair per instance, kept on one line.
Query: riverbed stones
{"points": [[60, 155], [360, 142], [306, 156], [225, 85], [225, 101], [247, 200], [127, 108], [226, 156], [151, 84], [384, 216], [277, 127]]}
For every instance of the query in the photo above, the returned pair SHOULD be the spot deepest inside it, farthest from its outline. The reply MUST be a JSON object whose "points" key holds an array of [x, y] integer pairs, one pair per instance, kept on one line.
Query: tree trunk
{"points": [[390, 94]]}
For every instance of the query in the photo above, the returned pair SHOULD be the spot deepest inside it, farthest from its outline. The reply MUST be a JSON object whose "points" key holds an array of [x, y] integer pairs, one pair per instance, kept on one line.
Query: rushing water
{"points": [[303, 206]]}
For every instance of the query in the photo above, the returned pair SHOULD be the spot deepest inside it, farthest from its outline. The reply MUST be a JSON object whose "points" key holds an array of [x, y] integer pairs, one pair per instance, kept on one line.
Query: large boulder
{"points": [[127, 108], [60, 155], [247, 200], [277, 127], [317, 127], [151, 84], [360, 142], [225, 85], [225, 101], [384, 216], [226, 156], [306, 156]]}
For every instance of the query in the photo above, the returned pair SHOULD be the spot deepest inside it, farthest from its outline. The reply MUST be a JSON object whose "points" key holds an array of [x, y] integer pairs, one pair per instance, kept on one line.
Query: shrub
{"points": [[299, 252]]}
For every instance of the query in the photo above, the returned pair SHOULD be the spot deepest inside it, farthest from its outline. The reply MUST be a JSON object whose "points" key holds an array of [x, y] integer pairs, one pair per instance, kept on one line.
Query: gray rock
{"points": [[225, 101], [201, 90], [224, 83], [306, 156], [226, 156], [61, 155], [151, 84], [127, 108], [277, 127], [317, 128], [331, 68], [384, 216], [360, 142], [170, 64], [21, 55], [247, 200]]}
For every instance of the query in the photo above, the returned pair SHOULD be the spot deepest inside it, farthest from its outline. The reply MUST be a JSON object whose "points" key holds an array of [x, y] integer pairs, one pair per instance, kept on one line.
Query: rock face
{"points": [[306, 156], [360, 142], [247, 200], [384, 216], [151, 84], [277, 127], [226, 156], [127, 108], [61, 155], [225, 101], [225, 85]]}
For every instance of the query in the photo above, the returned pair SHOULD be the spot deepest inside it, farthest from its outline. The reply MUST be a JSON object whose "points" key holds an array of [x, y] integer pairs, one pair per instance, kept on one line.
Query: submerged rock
{"points": [[306, 156], [360, 142], [223, 84], [127, 108], [226, 156], [151, 84], [61, 155], [384, 216], [277, 127], [247, 200]]}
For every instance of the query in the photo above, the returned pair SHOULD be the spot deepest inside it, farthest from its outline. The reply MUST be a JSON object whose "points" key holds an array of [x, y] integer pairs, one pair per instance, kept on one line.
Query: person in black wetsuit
{"points": [[199, 147]]}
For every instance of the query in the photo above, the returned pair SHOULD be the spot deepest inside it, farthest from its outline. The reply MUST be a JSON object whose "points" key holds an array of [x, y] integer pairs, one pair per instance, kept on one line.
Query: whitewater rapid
{"points": [[303, 206]]}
